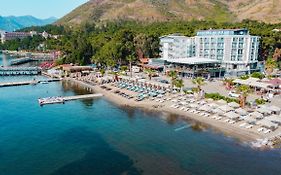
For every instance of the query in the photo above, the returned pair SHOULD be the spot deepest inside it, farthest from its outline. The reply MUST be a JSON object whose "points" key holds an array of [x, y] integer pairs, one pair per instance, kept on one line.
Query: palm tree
{"points": [[179, 83], [173, 75], [199, 81], [150, 73], [270, 65], [130, 58], [244, 91]]}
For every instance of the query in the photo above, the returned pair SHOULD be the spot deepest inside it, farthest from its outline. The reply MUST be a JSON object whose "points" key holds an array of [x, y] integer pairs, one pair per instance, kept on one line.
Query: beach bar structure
{"points": [[11, 71], [69, 69]]}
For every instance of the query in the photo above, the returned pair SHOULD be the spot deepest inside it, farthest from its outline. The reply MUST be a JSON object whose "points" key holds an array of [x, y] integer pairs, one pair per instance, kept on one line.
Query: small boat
{"points": [[44, 82]]}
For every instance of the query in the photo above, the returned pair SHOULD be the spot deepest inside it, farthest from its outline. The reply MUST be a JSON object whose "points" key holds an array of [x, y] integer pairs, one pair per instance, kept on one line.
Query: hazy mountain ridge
{"points": [[11, 23], [164, 10]]}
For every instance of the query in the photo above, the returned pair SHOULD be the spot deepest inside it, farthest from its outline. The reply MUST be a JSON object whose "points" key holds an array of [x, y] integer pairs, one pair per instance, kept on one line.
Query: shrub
{"points": [[260, 101], [217, 96], [244, 77], [257, 75]]}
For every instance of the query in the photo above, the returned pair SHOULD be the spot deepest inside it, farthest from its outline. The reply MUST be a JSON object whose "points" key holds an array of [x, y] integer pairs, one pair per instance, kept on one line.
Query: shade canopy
{"points": [[193, 105], [205, 108], [232, 115], [274, 108], [226, 108], [274, 118], [250, 119], [222, 101], [218, 111], [257, 115], [241, 111], [234, 105], [267, 123], [214, 105], [264, 110]]}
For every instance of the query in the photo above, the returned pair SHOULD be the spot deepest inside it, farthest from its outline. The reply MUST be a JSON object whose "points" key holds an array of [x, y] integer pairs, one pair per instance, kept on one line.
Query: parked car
{"points": [[233, 94]]}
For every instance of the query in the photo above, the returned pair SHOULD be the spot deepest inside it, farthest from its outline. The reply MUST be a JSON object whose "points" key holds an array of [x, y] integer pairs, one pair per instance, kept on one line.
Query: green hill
{"points": [[165, 10]]}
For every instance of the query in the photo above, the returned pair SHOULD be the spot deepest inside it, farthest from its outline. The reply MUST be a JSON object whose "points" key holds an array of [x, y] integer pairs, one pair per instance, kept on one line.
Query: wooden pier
{"points": [[80, 97], [8, 71], [24, 83], [56, 100]]}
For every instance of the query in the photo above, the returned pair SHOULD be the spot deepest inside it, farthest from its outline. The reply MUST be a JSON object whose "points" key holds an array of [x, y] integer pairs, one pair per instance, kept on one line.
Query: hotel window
{"points": [[240, 51], [233, 57], [240, 45], [239, 58], [220, 40], [241, 40], [234, 39]]}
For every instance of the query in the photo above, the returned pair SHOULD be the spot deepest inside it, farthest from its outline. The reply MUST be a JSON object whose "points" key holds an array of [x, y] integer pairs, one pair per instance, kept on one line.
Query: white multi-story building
{"points": [[235, 49]]}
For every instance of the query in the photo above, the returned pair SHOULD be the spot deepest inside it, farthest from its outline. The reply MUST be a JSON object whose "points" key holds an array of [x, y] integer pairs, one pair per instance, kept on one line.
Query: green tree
{"points": [[179, 84], [173, 75], [270, 65], [199, 82]]}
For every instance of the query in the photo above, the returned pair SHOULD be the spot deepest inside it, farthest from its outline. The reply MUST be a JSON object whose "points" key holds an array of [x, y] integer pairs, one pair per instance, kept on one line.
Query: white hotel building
{"points": [[234, 50]]}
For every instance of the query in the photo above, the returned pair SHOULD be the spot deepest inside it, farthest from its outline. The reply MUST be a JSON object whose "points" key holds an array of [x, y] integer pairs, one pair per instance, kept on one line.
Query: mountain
{"points": [[11, 23], [164, 10]]}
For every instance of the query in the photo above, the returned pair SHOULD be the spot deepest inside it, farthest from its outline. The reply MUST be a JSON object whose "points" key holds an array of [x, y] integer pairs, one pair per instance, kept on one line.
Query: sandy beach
{"points": [[235, 131]]}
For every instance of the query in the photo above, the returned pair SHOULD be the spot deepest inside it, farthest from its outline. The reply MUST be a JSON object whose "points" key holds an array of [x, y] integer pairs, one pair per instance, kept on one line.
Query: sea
{"points": [[97, 137]]}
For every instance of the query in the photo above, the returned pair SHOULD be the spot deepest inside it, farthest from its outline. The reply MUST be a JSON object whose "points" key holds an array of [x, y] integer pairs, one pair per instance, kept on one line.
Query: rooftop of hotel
{"points": [[193, 60]]}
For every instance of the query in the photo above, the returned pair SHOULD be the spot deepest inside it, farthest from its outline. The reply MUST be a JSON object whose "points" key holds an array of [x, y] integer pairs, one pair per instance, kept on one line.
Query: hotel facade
{"points": [[235, 51]]}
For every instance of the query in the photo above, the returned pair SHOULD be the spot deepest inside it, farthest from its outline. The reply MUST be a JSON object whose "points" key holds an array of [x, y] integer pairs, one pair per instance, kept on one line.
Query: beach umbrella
{"points": [[274, 118], [160, 96], [264, 111], [234, 105], [214, 105], [218, 111], [226, 108], [193, 105], [241, 111], [205, 108], [222, 101], [249, 119], [183, 102], [274, 109], [256, 115], [267, 123], [202, 102], [232, 115]]}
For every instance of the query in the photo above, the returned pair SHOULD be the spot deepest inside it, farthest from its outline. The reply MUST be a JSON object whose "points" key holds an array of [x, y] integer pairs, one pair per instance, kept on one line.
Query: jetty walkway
{"points": [[7, 71], [55, 100], [24, 60], [23, 83]]}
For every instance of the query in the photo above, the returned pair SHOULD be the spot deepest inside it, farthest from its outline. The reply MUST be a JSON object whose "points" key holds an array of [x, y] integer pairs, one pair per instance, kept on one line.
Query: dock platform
{"points": [[55, 100], [23, 83]]}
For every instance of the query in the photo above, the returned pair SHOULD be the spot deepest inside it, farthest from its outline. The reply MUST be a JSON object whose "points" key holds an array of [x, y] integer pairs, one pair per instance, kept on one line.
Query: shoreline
{"points": [[226, 129]]}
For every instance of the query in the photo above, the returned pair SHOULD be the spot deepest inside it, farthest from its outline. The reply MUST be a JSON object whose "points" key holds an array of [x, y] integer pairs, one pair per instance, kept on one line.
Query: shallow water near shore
{"points": [[96, 137]]}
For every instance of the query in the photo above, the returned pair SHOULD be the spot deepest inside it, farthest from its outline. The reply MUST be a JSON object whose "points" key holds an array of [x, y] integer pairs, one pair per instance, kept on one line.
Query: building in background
{"points": [[6, 36], [235, 50]]}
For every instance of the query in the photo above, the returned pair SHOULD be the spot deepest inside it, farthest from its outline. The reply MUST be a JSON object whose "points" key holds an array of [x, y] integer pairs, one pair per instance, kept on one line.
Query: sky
{"points": [[38, 8]]}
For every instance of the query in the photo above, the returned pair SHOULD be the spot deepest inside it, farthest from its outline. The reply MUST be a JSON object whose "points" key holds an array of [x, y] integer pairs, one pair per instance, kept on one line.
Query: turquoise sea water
{"points": [[96, 137]]}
